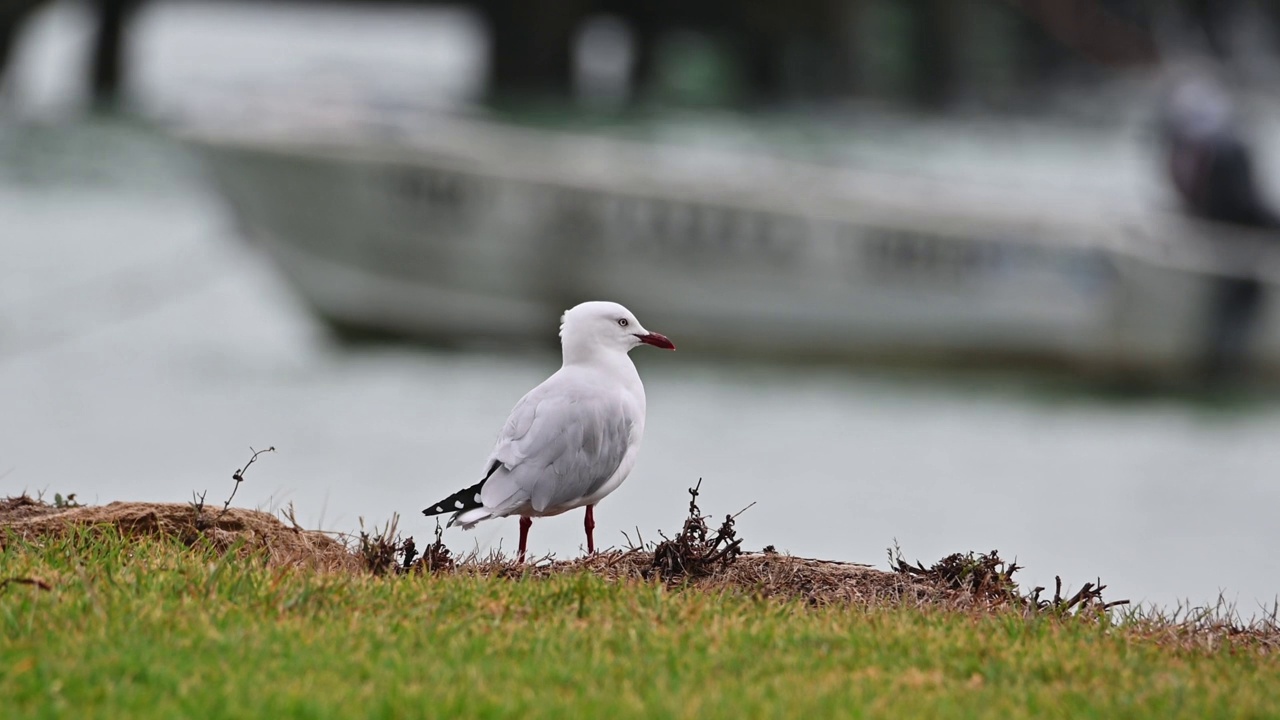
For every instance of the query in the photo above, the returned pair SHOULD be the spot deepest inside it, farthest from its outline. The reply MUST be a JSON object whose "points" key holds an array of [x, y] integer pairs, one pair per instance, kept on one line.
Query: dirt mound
{"points": [[23, 507], [252, 530]]}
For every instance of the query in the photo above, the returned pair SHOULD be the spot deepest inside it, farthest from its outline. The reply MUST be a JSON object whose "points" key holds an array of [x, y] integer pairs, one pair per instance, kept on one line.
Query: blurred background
{"points": [[963, 274]]}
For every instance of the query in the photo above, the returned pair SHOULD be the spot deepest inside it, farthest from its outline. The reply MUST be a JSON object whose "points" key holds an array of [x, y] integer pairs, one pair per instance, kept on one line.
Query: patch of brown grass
{"points": [[765, 575], [245, 530], [1207, 628], [22, 507]]}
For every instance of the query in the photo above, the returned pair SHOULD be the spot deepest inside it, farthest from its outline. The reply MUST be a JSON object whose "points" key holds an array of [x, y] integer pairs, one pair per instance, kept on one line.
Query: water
{"points": [[144, 348]]}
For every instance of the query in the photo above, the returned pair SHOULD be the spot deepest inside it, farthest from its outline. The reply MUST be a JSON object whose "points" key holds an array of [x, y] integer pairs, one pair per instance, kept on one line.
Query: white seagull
{"points": [[573, 439]]}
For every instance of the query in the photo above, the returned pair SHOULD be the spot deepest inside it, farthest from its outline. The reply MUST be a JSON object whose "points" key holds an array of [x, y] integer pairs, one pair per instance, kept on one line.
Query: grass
{"points": [[152, 627]]}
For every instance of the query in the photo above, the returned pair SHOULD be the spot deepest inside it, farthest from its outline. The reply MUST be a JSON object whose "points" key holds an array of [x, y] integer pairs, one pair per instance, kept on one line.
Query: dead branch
{"points": [[695, 551], [238, 476], [989, 578]]}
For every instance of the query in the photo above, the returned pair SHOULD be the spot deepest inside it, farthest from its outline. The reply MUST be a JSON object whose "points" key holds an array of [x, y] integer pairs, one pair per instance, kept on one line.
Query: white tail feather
{"points": [[468, 518]]}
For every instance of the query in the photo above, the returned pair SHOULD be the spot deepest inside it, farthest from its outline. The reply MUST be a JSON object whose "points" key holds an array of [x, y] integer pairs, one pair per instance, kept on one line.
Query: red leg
{"points": [[590, 525], [525, 523]]}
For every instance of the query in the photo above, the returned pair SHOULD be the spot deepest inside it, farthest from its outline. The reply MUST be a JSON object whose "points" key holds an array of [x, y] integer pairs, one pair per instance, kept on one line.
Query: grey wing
{"points": [[557, 449]]}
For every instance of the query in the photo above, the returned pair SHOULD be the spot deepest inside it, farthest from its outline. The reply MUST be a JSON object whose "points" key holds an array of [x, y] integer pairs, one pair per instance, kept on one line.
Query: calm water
{"points": [[144, 348]]}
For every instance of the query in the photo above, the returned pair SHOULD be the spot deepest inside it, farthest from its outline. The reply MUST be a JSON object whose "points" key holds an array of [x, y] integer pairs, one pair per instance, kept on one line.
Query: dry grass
{"points": [[764, 575], [24, 507], [248, 531], [1207, 628]]}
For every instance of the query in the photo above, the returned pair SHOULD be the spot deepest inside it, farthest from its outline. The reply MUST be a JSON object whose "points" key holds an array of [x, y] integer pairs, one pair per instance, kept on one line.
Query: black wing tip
{"points": [[440, 509], [465, 499]]}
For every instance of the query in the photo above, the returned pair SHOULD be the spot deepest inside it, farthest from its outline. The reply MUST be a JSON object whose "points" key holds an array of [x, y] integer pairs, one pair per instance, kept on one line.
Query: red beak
{"points": [[657, 340]]}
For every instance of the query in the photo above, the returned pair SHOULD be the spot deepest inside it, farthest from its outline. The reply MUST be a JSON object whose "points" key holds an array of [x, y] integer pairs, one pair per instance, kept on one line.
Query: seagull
{"points": [[571, 440]]}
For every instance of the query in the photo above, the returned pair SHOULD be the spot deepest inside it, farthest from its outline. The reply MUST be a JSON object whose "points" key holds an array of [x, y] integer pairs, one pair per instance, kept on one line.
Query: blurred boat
{"points": [[461, 230]]}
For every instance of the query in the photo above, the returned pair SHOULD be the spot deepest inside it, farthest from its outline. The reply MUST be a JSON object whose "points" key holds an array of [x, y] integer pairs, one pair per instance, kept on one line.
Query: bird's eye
{"points": [[623, 322]]}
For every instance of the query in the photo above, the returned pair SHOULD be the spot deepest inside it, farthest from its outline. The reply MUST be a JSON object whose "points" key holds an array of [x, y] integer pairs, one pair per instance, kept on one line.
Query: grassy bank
{"points": [[105, 624]]}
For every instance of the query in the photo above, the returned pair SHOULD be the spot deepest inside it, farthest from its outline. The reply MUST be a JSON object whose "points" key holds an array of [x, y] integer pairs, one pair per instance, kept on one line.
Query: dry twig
{"points": [[32, 581], [695, 551], [238, 476]]}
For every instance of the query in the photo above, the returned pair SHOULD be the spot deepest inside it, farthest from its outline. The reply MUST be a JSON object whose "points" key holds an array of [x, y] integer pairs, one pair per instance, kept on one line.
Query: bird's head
{"points": [[599, 325]]}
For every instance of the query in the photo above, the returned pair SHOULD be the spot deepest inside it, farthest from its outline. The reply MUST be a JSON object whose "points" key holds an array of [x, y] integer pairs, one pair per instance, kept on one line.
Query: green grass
{"points": [[154, 629]]}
